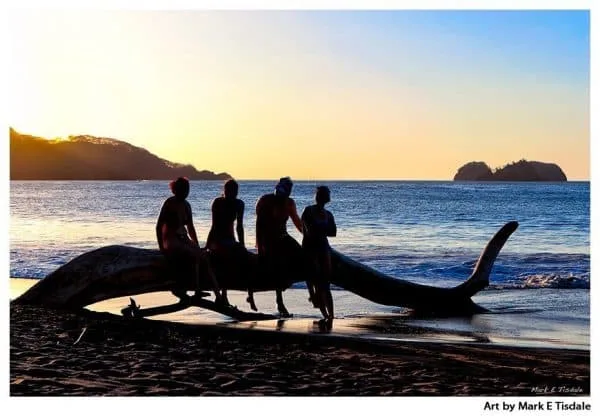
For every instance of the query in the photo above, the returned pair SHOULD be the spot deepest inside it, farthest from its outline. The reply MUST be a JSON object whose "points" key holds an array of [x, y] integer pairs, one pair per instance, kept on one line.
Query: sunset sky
{"points": [[313, 95]]}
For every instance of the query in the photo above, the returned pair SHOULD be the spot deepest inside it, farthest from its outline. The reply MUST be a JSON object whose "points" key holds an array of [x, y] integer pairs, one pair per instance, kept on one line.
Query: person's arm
{"points": [[259, 227], [306, 221], [294, 215], [209, 237], [159, 226], [240, 223], [331, 227], [190, 225]]}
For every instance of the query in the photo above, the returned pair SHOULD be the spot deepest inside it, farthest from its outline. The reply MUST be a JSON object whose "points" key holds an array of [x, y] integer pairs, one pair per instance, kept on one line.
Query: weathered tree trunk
{"points": [[116, 271], [379, 288]]}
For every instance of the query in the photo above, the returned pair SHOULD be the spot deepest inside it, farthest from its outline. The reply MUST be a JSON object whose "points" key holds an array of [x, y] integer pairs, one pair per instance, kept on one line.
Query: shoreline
{"points": [[358, 318], [97, 353]]}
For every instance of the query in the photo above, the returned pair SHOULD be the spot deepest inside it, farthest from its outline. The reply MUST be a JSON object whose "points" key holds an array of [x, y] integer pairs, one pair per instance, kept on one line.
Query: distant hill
{"points": [[522, 170], [92, 158]]}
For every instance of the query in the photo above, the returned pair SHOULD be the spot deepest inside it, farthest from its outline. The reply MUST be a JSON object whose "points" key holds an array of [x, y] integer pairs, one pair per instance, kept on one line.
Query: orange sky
{"points": [[314, 95]]}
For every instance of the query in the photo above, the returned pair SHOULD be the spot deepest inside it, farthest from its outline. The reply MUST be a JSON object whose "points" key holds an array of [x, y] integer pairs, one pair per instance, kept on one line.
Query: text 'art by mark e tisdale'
{"points": [[538, 405]]}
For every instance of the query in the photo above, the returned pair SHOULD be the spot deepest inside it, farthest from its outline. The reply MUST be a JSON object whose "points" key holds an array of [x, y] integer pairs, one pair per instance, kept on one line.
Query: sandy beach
{"points": [[96, 353]]}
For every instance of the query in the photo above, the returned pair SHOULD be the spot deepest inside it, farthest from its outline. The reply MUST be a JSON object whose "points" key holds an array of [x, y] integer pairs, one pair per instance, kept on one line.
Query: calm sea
{"points": [[426, 232]]}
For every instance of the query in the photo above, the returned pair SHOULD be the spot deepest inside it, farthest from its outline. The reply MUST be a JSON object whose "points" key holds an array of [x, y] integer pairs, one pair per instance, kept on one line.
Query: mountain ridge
{"points": [[86, 157]]}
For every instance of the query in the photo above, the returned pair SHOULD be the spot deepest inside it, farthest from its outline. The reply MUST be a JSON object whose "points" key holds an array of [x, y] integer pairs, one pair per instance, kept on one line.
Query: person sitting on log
{"points": [[318, 224], [226, 210], [177, 237], [273, 242]]}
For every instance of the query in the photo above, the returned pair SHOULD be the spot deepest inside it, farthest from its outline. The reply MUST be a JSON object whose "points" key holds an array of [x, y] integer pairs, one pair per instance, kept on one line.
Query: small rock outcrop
{"points": [[474, 171], [523, 170]]}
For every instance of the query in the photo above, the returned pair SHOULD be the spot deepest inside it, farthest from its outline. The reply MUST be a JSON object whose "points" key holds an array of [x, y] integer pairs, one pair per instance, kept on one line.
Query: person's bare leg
{"points": [[329, 303], [251, 281], [322, 302], [250, 300], [198, 293], [311, 291], [203, 256], [312, 296], [317, 270], [280, 306], [187, 252], [224, 297], [182, 253], [180, 291], [319, 299], [327, 286]]}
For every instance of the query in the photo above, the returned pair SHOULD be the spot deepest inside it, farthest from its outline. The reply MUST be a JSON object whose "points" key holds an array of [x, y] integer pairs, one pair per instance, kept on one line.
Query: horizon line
{"points": [[294, 180]]}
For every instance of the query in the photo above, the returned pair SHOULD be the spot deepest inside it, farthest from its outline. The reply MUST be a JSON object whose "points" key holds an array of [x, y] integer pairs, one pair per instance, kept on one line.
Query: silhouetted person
{"points": [[318, 224], [226, 210], [176, 234], [272, 240]]}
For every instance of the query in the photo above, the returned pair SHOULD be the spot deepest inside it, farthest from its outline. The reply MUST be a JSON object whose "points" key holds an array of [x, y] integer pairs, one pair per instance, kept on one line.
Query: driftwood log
{"points": [[116, 271]]}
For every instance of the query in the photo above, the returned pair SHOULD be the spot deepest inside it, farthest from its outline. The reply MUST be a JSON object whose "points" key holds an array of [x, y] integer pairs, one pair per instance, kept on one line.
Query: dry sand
{"points": [[92, 353]]}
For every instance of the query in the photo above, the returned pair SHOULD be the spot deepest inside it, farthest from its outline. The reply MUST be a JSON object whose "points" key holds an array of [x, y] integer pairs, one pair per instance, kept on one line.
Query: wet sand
{"points": [[97, 353]]}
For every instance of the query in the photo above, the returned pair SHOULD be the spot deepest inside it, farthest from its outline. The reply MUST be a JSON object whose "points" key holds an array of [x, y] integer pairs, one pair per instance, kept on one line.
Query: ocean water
{"points": [[426, 232]]}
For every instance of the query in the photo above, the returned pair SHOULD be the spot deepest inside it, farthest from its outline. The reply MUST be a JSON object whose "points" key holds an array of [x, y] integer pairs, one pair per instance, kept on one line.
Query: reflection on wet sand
{"points": [[323, 326], [320, 326], [362, 320], [394, 325]]}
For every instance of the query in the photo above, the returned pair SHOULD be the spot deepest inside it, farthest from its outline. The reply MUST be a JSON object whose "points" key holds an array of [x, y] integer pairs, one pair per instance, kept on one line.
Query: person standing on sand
{"points": [[318, 224], [176, 234], [273, 242], [226, 210]]}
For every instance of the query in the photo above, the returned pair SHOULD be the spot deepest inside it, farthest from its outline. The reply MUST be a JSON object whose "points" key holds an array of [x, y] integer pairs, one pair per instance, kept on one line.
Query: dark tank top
{"points": [[316, 226], [224, 213]]}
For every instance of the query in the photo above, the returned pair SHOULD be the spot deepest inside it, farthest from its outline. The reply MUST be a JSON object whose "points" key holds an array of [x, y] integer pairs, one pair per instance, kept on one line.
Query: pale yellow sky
{"points": [[313, 95]]}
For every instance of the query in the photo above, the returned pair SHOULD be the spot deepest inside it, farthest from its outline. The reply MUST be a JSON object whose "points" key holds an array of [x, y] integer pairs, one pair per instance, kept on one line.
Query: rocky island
{"points": [[92, 158], [523, 170]]}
